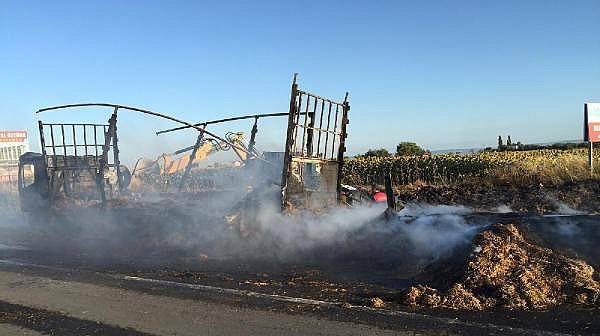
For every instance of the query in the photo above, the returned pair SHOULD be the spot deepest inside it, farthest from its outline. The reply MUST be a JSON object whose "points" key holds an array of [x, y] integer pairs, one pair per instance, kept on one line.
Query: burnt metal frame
{"points": [[218, 121], [201, 127], [100, 160], [251, 144], [307, 151], [139, 110]]}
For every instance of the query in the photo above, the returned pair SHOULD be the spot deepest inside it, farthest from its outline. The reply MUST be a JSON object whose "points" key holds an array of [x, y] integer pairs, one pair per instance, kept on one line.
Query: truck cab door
{"points": [[33, 182]]}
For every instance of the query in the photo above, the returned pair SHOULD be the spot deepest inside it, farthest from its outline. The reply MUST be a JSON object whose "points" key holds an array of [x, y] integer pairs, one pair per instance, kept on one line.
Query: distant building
{"points": [[509, 144], [12, 145]]}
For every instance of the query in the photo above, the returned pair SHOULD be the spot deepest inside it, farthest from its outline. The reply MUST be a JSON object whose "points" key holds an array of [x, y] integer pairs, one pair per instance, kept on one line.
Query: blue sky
{"points": [[445, 74]]}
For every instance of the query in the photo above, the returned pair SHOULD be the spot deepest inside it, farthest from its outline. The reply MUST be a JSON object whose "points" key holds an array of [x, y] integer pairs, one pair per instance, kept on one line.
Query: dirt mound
{"points": [[508, 270]]}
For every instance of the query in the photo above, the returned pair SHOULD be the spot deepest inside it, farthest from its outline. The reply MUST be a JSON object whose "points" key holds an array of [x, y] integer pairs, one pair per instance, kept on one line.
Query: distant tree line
{"points": [[402, 149]]}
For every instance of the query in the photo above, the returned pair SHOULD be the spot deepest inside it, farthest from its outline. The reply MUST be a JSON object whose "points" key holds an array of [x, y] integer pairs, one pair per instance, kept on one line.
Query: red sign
{"points": [[13, 136], [591, 129]]}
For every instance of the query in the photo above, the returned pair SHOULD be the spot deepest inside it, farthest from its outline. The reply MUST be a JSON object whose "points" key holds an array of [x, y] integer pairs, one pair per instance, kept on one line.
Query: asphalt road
{"points": [[126, 311]]}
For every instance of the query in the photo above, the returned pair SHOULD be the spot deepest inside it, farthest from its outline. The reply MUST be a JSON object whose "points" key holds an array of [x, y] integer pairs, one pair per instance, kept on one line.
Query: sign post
{"points": [[591, 129]]}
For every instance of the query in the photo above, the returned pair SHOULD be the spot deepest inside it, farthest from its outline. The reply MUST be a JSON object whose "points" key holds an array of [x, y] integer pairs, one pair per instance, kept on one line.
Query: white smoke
{"points": [[502, 208], [563, 209]]}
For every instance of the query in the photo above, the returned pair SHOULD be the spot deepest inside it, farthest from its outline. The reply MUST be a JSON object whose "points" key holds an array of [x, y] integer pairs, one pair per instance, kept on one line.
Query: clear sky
{"points": [[445, 74]]}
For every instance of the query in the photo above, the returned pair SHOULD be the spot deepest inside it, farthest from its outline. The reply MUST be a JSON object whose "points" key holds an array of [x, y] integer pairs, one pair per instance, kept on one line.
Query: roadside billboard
{"points": [[13, 136], [591, 127]]}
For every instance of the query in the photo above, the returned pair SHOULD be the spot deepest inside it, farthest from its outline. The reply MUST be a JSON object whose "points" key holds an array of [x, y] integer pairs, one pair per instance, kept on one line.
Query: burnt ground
{"points": [[536, 198], [369, 264]]}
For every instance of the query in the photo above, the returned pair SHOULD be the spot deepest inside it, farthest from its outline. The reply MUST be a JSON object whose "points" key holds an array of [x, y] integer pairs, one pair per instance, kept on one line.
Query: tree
{"points": [[409, 149], [381, 152]]}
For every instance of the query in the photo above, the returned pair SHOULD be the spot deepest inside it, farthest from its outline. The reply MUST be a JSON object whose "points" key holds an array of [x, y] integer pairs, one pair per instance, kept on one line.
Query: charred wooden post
{"points": [[342, 145], [252, 142], [389, 192], [391, 200], [289, 141], [116, 160], [104, 158], [188, 167]]}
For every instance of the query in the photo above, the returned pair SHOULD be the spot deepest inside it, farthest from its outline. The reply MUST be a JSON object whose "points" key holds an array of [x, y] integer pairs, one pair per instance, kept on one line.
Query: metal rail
{"points": [[255, 116]]}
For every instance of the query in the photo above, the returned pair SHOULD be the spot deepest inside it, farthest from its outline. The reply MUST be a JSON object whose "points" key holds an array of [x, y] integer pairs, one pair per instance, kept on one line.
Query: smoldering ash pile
{"points": [[506, 269]]}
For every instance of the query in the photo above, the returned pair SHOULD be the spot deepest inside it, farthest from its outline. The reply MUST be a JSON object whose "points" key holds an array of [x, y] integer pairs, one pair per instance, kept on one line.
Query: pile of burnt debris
{"points": [[505, 268]]}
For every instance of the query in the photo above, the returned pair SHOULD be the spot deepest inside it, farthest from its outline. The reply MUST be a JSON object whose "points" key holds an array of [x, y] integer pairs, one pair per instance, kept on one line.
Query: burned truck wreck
{"points": [[310, 167], [81, 161]]}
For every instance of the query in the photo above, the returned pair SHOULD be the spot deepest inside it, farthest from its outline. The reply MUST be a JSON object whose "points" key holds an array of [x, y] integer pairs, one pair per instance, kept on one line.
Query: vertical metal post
{"points": [[53, 146], [310, 131], [96, 142], [342, 145], [295, 137], [45, 159], [62, 133], [305, 124], [104, 158], [320, 128], [115, 141], [288, 142], [335, 124], [65, 164], [188, 168], [326, 148], [252, 138], [74, 141], [85, 145]]}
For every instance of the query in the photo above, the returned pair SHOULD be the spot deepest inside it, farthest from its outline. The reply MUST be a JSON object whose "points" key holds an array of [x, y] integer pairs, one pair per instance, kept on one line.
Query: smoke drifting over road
{"points": [[152, 228]]}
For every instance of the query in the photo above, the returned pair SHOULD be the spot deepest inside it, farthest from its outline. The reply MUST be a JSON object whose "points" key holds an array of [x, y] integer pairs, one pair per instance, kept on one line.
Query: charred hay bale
{"points": [[508, 270], [420, 295]]}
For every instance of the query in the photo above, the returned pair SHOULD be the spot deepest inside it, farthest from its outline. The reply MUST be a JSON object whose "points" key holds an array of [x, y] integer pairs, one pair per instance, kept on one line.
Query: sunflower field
{"points": [[536, 166]]}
